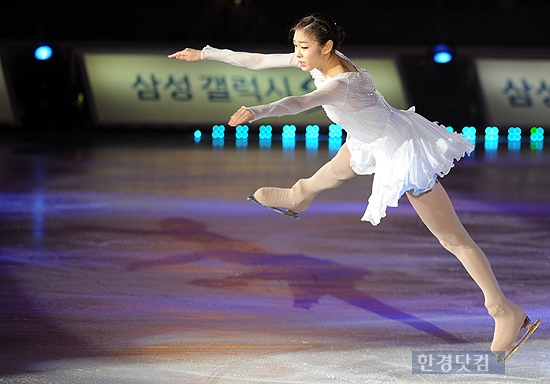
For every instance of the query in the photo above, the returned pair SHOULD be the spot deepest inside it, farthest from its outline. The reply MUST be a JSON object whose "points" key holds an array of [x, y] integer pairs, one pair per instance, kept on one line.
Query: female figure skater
{"points": [[405, 152]]}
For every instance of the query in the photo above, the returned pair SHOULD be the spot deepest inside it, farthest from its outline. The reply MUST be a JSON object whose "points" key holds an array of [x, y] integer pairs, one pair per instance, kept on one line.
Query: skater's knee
{"points": [[447, 244], [454, 243]]}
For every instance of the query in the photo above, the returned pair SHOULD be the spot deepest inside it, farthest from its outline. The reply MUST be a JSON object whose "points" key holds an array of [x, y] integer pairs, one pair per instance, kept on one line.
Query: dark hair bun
{"points": [[322, 28]]}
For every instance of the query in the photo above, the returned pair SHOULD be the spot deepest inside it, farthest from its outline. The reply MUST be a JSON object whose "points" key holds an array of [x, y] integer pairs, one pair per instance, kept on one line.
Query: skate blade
{"points": [[531, 327], [286, 212]]}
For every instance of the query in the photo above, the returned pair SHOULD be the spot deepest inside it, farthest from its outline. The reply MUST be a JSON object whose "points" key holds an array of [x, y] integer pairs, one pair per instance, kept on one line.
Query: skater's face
{"points": [[309, 52]]}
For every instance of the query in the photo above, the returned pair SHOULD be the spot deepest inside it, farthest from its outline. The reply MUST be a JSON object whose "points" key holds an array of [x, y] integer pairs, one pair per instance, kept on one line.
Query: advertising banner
{"points": [[148, 88], [515, 92]]}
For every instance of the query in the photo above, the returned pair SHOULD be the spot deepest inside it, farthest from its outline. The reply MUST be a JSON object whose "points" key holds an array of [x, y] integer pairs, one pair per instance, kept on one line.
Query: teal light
{"points": [[289, 137], [197, 135], [442, 54], [266, 132], [514, 134], [218, 132], [537, 138], [241, 136], [312, 137], [312, 132], [43, 52], [491, 134], [491, 143], [469, 133], [289, 132], [241, 132], [334, 131], [537, 134]]}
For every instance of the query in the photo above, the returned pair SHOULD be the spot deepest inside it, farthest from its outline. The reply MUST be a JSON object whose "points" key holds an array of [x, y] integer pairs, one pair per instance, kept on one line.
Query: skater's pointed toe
{"points": [[264, 195], [291, 199]]}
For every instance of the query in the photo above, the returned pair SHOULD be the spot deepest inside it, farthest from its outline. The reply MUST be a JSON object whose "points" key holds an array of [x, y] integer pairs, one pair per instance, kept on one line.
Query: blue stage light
{"points": [[514, 134], [312, 132], [241, 132], [312, 137], [218, 132], [537, 134], [442, 54], [265, 136], [289, 137], [289, 132], [266, 132], [491, 134], [334, 131], [469, 133], [43, 52], [537, 138]]}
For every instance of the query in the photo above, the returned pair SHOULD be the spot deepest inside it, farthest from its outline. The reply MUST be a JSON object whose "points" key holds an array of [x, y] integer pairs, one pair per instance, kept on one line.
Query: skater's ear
{"points": [[327, 48]]}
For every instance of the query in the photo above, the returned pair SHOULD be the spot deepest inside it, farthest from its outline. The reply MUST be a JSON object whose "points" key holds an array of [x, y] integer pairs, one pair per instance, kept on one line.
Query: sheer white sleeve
{"points": [[250, 60], [333, 93]]}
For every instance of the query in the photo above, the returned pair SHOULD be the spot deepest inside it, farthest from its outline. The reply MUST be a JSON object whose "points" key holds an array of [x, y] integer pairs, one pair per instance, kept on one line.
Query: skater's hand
{"points": [[242, 116], [188, 54]]}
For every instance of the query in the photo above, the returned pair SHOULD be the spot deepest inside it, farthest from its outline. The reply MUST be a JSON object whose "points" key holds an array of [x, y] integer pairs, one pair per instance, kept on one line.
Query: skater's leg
{"points": [[299, 197], [437, 213]]}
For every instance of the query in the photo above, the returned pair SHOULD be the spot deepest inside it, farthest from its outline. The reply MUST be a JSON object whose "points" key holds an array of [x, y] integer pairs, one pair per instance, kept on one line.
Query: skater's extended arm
{"points": [[239, 59], [332, 93]]}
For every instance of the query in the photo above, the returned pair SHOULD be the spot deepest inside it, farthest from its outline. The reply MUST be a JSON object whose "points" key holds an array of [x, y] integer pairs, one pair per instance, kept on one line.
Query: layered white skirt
{"points": [[409, 156]]}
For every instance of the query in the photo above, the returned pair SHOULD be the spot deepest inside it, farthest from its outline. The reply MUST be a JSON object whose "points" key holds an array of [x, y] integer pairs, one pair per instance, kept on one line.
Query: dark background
{"points": [[368, 22], [53, 93]]}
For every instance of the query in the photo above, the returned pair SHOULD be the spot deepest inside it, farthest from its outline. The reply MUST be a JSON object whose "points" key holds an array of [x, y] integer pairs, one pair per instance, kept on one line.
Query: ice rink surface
{"points": [[139, 260]]}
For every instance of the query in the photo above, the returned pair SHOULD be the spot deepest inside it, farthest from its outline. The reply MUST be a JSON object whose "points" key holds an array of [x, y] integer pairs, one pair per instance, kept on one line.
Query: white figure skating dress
{"points": [[404, 150]]}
